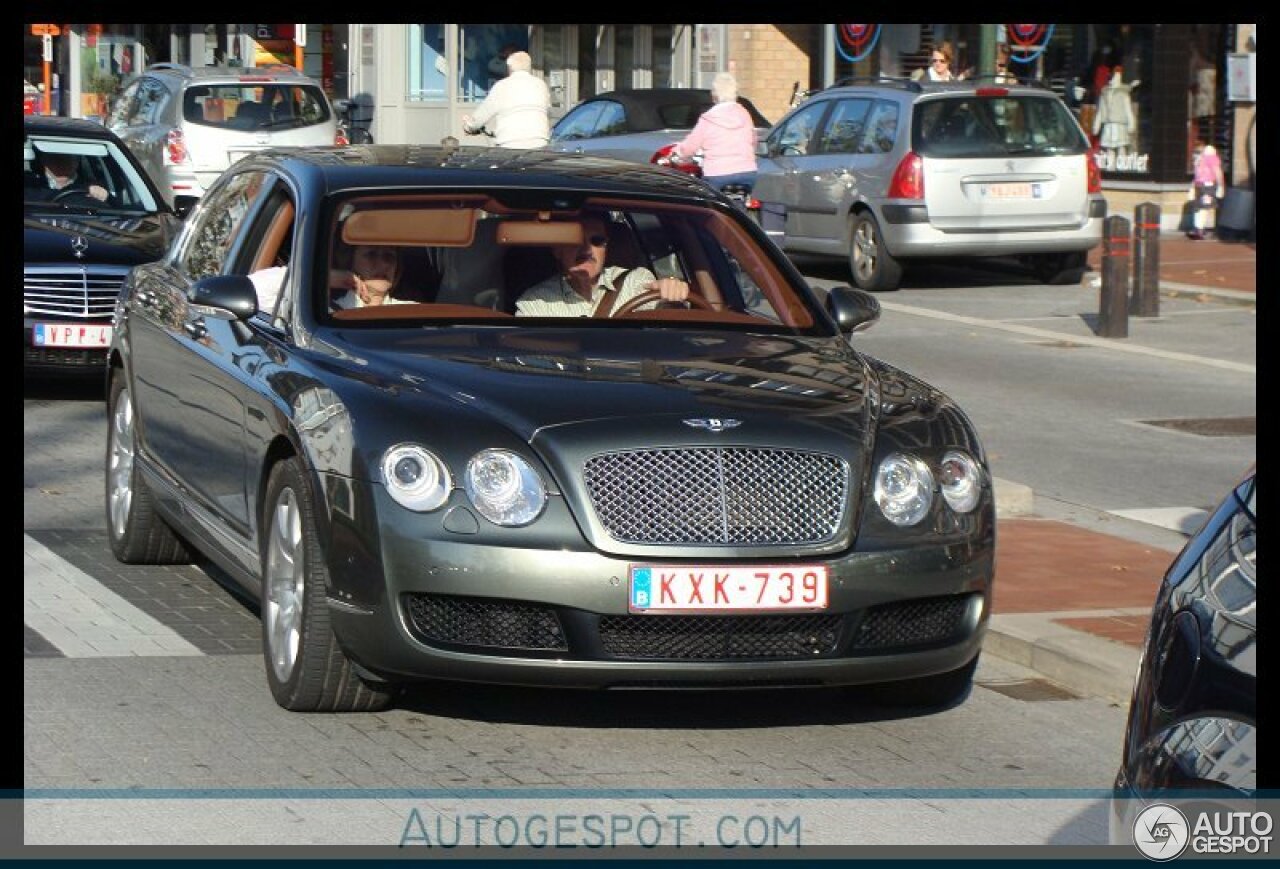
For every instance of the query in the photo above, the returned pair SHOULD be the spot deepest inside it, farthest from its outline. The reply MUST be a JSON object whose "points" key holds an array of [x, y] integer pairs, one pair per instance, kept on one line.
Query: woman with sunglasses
{"points": [[586, 287], [939, 64]]}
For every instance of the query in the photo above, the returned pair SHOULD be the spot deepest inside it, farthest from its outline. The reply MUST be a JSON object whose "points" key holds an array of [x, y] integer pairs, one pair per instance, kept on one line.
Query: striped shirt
{"points": [[554, 297]]}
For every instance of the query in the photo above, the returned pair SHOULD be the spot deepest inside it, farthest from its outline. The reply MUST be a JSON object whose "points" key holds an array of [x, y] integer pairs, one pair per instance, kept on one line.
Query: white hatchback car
{"points": [[186, 125]]}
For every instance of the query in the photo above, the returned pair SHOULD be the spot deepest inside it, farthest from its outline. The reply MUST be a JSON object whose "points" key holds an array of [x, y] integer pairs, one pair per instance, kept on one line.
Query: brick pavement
{"points": [[1211, 263]]}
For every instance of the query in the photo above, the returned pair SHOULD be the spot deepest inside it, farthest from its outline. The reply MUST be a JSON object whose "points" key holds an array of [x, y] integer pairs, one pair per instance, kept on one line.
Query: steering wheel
{"points": [[70, 192], [647, 296]]}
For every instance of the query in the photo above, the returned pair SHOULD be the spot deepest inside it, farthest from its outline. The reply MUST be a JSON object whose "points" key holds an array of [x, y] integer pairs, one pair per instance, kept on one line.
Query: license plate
{"points": [[71, 335], [710, 588], [1011, 191]]}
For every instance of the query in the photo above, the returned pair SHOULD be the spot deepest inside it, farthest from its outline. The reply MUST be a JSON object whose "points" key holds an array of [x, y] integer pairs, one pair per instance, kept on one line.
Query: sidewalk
{"points": [[1204, 266], [1074, 603]]}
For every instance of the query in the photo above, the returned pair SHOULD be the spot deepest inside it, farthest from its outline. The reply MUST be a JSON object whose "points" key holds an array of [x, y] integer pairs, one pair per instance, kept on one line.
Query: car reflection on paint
{"points": [[723, 493]]}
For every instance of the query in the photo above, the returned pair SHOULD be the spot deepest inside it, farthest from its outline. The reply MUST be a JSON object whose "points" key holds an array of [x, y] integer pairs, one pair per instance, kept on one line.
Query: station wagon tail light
{"points": [[175, 148], [663, 157], [504, 488], [415, 477], [992, 92], [1094, 173], [908, 178], [903, 489]]}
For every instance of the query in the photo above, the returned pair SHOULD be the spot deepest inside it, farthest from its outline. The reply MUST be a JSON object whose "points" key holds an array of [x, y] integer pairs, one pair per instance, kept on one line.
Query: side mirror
{"points": [[234, 294], [341, 106], [853, 310]]}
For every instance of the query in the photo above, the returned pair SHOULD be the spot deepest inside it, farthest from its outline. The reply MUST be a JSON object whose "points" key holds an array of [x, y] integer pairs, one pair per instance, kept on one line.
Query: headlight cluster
{"points": [[904, 485], [502, 486]]}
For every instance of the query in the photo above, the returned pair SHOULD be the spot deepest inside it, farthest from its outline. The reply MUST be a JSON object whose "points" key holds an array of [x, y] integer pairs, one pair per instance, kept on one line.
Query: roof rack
{"points": [[904, 83], [180, 67]]}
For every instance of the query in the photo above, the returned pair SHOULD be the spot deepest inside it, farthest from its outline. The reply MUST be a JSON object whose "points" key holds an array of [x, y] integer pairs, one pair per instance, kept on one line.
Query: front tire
{"points": [[137, 533], [873, 268], [307, 670]]}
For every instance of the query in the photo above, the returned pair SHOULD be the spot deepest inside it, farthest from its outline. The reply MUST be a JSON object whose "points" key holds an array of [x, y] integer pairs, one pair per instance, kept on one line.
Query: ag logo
{"points": [[1161, 832]]}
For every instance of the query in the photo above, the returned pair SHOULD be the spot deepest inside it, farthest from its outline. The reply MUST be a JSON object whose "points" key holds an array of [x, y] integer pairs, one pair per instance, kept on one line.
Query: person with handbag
{"points": [[1207, 188]]}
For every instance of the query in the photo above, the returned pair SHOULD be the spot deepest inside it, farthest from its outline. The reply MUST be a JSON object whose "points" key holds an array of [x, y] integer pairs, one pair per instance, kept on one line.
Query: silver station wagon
{"points": [[888, 170]]}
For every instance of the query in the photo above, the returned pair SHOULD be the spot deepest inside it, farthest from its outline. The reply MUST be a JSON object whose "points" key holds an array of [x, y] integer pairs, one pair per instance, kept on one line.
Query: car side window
{"points": [[843, 130], [881, 129], [793, 137], [579, 123], [265, 255], [612, 120], [151, 97], [215, 227]]}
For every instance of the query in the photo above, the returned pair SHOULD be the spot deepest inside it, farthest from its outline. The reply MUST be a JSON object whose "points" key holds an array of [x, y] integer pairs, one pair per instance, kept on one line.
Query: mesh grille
{"points": [[65, 356], [84, 292], [718, 496], [706, 638], [498, 624], [911, 623]]}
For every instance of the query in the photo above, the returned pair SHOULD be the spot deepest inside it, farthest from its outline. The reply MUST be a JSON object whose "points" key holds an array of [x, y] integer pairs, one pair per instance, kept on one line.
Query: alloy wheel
{"points": [[865, 250], [285, 585], [120, 469]]}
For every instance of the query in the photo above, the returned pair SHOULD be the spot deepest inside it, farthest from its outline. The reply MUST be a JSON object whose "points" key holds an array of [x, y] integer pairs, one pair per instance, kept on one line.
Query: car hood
{"points": [[540, 383], [112, 239]]}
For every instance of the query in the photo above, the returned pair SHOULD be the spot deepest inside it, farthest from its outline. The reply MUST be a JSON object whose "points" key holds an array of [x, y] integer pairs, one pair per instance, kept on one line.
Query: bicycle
{"points": [[354, 130]]}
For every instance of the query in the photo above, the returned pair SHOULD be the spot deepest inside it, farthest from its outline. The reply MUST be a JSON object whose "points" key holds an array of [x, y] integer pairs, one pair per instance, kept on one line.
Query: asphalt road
{"points": [[188, 748]]}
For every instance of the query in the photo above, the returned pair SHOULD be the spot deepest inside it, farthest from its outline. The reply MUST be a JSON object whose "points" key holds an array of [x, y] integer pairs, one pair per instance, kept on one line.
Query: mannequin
{"points": [[1115, 119]]}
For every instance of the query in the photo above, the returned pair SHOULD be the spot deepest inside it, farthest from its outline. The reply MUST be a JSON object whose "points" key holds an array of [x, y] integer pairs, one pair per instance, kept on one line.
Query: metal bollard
{"points": [[1145, 301], [1113, 313]]}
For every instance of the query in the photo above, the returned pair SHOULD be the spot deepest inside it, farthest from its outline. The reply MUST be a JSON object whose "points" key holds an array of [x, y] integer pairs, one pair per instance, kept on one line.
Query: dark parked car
{"points": [[639, 125], [1193, 717], [80, 241], [723, 494]]}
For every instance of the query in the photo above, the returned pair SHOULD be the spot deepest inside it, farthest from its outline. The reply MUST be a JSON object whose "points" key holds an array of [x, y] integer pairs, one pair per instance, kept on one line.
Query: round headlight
{"points": [[415, 478], [904, 489], [504, 488], [961, 481]]}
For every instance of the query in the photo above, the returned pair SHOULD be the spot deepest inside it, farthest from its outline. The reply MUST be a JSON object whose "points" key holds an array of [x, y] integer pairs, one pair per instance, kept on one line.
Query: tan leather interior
{"points": [[274, 239]]}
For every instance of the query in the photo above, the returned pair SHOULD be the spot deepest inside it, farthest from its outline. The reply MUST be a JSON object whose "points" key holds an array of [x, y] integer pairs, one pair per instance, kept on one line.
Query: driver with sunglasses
{"points": [[586, 287]]}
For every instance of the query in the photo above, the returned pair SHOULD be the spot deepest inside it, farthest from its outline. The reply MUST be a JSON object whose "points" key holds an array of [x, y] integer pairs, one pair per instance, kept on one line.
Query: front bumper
{"points": [[892, 615], [59, 360]]}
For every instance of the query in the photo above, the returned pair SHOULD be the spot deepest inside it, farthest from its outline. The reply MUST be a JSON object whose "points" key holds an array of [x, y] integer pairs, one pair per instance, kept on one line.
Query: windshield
{"points": [[995, 126], [598, 261], [255, 106], [71, 173]]}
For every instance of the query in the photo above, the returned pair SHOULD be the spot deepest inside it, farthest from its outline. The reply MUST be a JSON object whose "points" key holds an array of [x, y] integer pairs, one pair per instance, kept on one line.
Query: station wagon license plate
{"points": [[71, 335], [711, 588], [1011, 191]]}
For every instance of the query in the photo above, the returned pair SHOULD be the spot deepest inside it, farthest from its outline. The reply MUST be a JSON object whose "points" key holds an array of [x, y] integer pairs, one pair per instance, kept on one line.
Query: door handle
{"points": [[196, 329]]}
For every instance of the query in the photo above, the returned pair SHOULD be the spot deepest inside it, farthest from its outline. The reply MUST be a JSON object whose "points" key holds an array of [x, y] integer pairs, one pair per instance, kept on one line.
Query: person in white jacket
{"points": [[517, 111]]}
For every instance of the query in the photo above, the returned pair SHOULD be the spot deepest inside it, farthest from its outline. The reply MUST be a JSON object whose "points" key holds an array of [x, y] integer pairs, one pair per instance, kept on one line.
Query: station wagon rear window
{"points": [[255, 106], [995, 126]]}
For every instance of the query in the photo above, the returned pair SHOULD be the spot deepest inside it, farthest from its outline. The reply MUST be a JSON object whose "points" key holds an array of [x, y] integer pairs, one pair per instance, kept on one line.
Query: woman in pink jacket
{"points": [[726, 137]]}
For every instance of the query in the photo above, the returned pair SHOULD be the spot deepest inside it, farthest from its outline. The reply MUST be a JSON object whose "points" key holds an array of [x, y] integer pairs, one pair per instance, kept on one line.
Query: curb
{"points": [[1222, 294], [1082, 662], [1012, 499]]}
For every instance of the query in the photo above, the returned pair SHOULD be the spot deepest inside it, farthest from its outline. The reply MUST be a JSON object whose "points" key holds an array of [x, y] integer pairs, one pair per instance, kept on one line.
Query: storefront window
{"points": [[427, 62], [484, 55]]}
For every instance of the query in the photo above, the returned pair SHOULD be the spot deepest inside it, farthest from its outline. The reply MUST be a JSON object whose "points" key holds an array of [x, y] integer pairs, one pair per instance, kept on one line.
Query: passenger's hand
{"points": [[374, 291], [98, 192], [671, 289]]}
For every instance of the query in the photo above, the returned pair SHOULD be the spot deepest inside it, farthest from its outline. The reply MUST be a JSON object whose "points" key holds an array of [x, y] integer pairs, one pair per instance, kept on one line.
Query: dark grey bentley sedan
{"points": [[536, 418]]}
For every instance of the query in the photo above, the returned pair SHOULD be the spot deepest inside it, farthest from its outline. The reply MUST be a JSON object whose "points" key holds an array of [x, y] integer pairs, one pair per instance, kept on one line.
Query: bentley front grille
{"points": [[486, 624], [721, 638], [728, 496], [72, 292]]}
